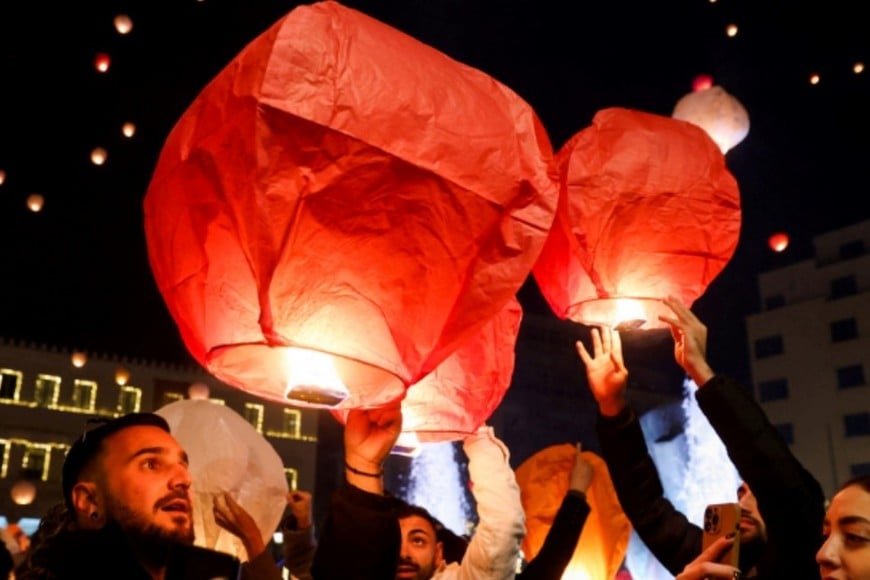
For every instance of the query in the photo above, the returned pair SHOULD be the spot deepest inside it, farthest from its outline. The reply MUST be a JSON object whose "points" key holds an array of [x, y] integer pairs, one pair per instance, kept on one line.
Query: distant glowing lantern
{"points": [[198, 391], [23, 492], [369, 214], [122, 376], [79, 359], [2, 176], [858, 68], [98, 156], [731, 30], [778, 242], [123, 24], [102, 61], [648, 209], [815, 79], [35, 202], [702, 82], [227, 454], [543, 479], [462, 393], [128, 130], [720, 114]]}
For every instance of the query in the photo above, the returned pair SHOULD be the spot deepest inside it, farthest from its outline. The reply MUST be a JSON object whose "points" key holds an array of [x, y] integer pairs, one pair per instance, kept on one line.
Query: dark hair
{"points": [[862, 481], [453, 545], [88, 446], [407, 510]]}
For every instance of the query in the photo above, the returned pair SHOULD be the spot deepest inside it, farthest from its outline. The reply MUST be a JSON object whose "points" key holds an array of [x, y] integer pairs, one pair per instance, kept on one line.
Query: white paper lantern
{"points": [[718, 113], [227, 455]]}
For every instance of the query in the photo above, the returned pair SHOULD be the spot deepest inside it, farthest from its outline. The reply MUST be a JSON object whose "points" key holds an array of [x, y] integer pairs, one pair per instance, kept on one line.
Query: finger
{"points": [[606, 339], [713, 551], [596, 341], [616, 349], [584, 354]]}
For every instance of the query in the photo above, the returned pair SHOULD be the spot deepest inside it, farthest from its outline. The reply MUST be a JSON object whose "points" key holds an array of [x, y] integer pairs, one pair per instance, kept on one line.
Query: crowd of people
{"points": [[127, 510]]}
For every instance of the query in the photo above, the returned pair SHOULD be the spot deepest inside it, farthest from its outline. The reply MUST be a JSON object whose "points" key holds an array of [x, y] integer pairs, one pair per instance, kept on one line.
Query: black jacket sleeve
{"points": [[361, 538], [672, 538], [561, 541], [790, 500]]}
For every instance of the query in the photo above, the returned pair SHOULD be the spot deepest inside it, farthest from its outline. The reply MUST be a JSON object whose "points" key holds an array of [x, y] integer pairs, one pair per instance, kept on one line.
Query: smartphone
{"points": [[721, 519]]}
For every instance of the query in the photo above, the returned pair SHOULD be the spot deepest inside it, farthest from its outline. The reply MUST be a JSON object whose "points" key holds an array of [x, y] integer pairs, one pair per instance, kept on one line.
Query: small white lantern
{"points": [[718, 113]]}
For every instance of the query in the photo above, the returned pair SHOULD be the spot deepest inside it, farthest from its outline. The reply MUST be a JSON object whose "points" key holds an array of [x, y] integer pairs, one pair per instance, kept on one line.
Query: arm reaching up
{"points": [[690, 341], [605, 370], [369, 436]]}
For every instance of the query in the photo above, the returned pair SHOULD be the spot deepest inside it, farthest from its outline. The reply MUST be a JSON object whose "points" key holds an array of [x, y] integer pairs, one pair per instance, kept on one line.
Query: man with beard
{"points": [[372, 535], [781, 502], [128, 513]]}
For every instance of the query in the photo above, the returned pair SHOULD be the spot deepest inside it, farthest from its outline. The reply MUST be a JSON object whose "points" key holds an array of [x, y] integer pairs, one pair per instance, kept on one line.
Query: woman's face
{"points": [[845, 555]]}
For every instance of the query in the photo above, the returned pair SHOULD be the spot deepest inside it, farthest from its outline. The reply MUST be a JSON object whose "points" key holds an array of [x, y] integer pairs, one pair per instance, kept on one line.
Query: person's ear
{"points": [[87, 505], [439, 554]]}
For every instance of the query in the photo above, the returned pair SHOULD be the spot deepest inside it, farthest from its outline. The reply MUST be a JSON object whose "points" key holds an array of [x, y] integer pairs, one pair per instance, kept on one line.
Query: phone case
{"points": [[721, 519]]}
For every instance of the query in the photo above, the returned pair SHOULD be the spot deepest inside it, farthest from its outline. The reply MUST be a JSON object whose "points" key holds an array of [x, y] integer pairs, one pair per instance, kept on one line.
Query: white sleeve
{"points": [[493, 550]]}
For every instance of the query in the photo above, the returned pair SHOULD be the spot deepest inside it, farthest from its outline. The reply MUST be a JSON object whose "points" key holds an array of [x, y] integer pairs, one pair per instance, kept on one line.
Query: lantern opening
{"points": [[622, 314], [304, 376], [312, 378]]}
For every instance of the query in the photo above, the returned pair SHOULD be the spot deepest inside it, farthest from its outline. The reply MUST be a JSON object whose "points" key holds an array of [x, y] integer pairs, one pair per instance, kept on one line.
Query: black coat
{"points": [[790, 499]]}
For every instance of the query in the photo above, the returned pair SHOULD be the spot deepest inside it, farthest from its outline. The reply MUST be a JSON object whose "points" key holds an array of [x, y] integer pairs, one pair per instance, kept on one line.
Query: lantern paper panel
{"points": [[647, 209], [716, 111], [227, 455], [345, 190], [459, 396], [544, 479]]}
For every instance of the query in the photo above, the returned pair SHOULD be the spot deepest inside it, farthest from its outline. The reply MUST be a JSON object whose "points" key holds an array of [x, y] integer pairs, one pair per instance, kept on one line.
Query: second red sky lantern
{"points": [[451, 402], [341, 207], [647, 209]]}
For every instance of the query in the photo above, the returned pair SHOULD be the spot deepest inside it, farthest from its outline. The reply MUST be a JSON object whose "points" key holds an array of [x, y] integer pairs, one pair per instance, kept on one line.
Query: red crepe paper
{"points": [[647, 209], [343, 188], [460, 395]]}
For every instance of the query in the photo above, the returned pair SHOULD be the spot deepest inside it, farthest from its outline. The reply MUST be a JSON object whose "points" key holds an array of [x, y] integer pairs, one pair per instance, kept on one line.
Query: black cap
{"points": [[88, 445]]}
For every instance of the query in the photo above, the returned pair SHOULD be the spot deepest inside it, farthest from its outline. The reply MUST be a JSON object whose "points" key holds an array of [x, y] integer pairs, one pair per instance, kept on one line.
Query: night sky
{"points": [[76, 273]]}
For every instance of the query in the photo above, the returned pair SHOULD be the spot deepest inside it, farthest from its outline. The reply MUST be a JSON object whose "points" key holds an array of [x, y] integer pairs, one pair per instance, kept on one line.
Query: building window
{"points": [[857, 424], [857, 469], [786, 431], [129, 400], [37, 461], [292, 478], [768, 346], [47, 391], [845, 329], [6, 446], [851, 376], [171, 397], [852, 249], [217, 401], [842, 287], [774, 302], [774, 390], [254, 415], [292, 423], [10, 384], [84, 394]]}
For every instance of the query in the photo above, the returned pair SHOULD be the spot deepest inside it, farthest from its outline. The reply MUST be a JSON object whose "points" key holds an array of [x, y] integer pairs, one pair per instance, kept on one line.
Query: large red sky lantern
{"points": [[647, 209], [341, 207], [459, 396], [544, 480]]}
